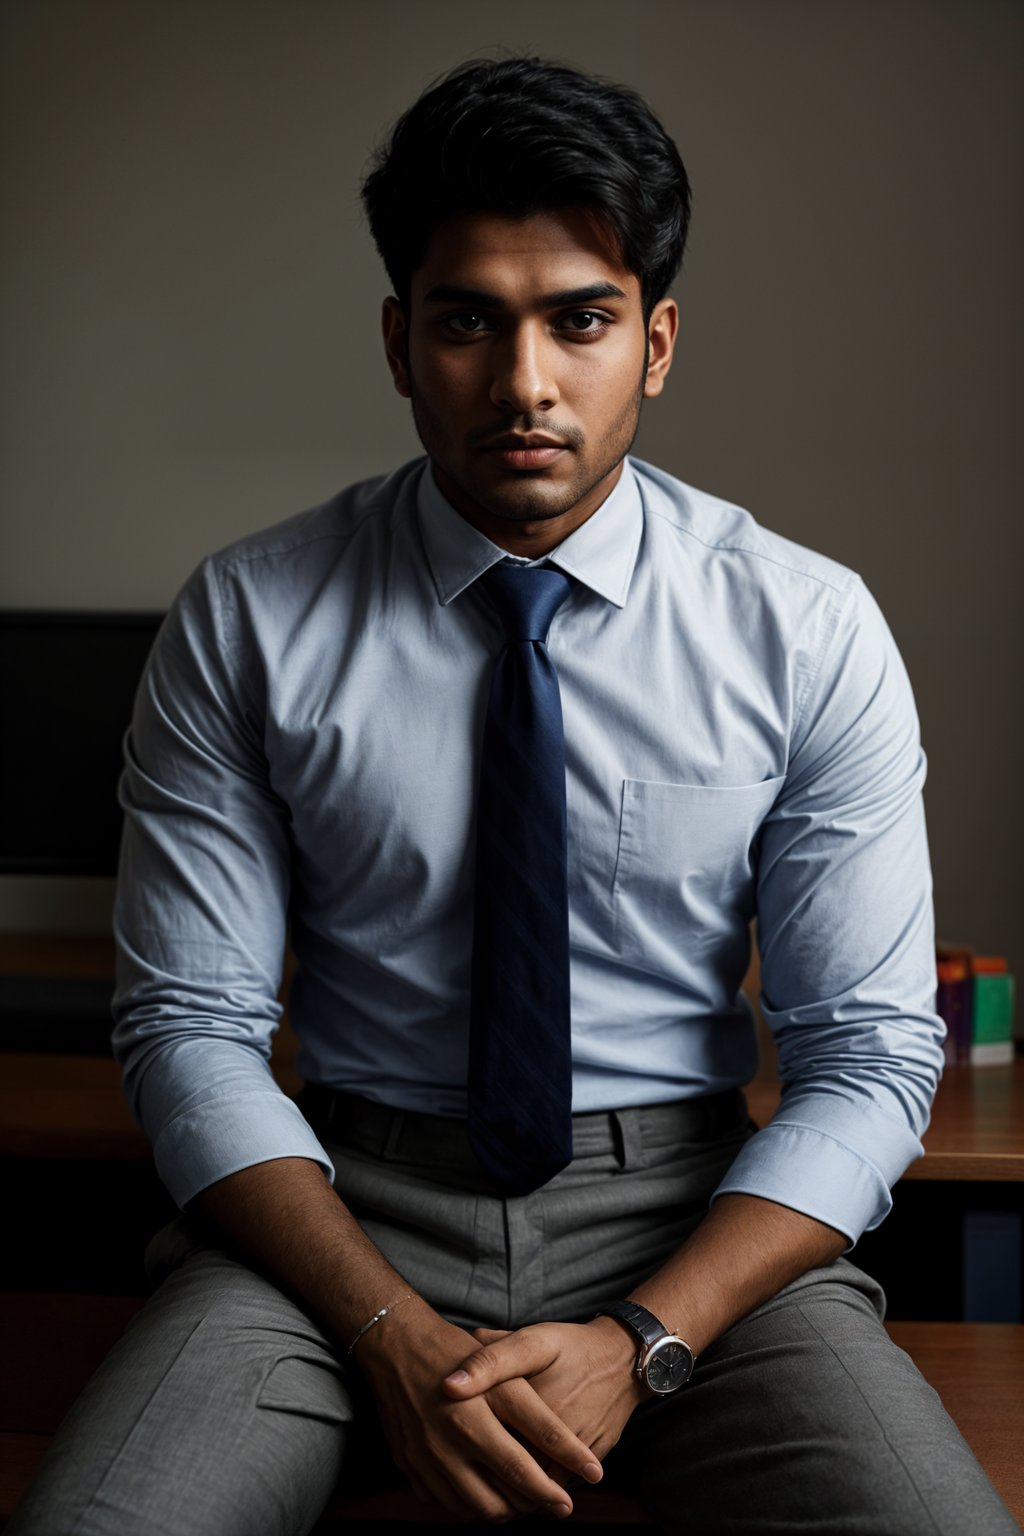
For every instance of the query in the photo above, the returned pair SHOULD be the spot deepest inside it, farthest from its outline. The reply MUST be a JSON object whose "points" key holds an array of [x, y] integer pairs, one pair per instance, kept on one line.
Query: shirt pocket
{"points": [[686, 861]]}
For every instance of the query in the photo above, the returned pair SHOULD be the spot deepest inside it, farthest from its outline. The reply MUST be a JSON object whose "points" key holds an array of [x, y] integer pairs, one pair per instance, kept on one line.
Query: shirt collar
{"points": [[601, 554]]}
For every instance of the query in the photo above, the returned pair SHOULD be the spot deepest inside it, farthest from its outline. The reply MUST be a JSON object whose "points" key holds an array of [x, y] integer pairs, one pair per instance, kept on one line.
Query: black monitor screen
{"points": [[67, 682]]}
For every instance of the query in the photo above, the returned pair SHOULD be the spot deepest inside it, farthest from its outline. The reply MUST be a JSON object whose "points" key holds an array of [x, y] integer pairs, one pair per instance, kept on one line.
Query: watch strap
{"points": [[644, 1324]]}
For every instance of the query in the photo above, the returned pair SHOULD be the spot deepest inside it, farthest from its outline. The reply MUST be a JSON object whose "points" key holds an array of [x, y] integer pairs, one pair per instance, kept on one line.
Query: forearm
{"points": [[744, 1251], [286, 1217]]}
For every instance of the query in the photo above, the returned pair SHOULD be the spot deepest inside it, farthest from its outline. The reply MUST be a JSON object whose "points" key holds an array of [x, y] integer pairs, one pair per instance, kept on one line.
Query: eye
{"points": [[584, 323], [466, 324]]}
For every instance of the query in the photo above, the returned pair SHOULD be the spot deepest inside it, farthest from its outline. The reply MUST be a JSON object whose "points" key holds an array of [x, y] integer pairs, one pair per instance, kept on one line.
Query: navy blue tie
{"points": [[520, 1056]]}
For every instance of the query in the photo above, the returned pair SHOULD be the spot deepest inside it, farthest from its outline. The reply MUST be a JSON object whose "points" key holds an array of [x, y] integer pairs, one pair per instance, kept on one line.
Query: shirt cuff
{"points": [[220, 1137], [812, 1157]]}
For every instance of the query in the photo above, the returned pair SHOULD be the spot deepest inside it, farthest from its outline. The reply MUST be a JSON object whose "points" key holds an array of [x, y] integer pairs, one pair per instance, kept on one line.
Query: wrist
{"points": [[376, 1337], [663, 1361], [618, 1352]]}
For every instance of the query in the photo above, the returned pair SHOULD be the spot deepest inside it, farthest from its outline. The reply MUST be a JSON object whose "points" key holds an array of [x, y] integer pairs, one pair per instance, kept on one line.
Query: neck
{"points": [[531, 538]]}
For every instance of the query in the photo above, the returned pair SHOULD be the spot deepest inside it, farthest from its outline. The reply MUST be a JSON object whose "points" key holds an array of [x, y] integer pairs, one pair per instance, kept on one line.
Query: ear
{"points": [[396, 344], [662, 330]]}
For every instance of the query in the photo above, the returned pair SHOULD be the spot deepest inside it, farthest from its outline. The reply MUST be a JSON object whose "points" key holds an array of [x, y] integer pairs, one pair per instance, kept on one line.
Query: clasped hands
{"points": [[496, 1431]]}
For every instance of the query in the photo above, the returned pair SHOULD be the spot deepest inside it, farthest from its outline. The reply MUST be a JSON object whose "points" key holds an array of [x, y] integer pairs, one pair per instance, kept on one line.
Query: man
{"points": [[520, 738]]}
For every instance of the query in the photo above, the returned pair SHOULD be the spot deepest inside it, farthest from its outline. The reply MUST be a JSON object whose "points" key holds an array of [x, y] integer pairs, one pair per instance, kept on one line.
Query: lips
{"points": [[532, 452], [528, 458]]}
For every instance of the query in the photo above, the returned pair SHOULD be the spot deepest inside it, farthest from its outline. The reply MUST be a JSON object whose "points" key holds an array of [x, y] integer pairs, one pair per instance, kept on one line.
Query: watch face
{"points": [[668, 1366]]}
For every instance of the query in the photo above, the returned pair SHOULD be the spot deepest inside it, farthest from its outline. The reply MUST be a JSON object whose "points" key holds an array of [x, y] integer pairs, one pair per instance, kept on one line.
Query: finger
{"points": [[456, 1487], [424, 1496], [471, 1466], [431, 1487], [521, 1409], [489, 1335], [430, 1478], [525, 1498], [485, 1442], [486, 1498], [517, 1354], [418, 1489]]}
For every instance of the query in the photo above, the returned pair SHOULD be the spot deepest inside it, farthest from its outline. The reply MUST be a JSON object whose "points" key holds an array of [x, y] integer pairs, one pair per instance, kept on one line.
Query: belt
{"points": [[383, 1131]]}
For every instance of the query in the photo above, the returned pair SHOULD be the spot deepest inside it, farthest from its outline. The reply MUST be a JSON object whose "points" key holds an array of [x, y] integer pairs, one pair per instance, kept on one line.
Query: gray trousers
{"points": [[225, 1411]]}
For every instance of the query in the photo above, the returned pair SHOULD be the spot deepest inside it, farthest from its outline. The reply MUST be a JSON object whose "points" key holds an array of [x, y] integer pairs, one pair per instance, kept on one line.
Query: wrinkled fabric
{"points": [[740, 738]]}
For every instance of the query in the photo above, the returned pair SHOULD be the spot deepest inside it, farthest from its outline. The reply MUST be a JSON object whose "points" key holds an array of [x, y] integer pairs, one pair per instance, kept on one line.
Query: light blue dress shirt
{"points": [[740, 738]]}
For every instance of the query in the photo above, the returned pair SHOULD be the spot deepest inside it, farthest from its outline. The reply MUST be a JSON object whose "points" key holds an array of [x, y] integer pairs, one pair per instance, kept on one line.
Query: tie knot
{"points": [[526, 598]]}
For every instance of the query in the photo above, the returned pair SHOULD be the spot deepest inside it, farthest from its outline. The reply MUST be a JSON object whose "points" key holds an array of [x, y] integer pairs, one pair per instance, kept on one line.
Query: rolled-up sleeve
{"points": [[201, 906], [846, 936]]}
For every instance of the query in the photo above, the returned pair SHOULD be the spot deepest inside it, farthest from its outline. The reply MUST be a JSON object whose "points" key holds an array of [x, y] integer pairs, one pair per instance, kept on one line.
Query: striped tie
{"points": [[520, 1058]]}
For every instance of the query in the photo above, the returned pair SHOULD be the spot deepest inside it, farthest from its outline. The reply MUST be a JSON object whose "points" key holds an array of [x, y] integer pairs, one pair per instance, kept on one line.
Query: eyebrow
{"points": [[451, 293]]}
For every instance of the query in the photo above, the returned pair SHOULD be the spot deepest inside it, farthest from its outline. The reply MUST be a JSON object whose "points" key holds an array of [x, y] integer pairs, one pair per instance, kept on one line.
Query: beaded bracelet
{"points": [[392, 1306]]}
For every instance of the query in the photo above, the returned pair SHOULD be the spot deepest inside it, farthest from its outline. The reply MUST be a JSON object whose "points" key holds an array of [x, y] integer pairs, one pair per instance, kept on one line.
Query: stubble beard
{"points": [[519, 505]]}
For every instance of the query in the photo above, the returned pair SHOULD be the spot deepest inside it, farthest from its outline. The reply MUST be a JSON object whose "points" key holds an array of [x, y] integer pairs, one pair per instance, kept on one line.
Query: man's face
{"points": [[525, 356]]}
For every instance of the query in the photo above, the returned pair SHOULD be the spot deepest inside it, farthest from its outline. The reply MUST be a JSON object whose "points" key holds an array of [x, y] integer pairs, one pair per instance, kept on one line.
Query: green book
{"points": [[992, 1021]]}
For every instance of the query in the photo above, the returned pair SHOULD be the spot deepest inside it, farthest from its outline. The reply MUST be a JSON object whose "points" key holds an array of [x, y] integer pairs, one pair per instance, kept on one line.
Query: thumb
{"points": [[521, 1353]]}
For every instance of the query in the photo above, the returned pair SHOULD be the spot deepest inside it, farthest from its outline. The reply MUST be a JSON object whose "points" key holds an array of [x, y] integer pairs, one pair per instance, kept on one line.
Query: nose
{"points": [[524, 373]]}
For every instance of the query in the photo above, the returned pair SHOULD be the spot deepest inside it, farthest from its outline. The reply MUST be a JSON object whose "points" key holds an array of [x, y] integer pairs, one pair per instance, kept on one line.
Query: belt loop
{"points": [[331, 1105], [629, 1141], [394, 1134]]}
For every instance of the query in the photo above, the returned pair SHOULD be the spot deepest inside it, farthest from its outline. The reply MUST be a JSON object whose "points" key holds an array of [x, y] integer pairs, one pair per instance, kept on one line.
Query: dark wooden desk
{"points": [[63, 1106], [977, 1126], [53, 1106]]}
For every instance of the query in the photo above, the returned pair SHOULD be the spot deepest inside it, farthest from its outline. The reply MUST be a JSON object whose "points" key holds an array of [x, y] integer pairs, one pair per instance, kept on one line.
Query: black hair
{"points": [[520, 136]]}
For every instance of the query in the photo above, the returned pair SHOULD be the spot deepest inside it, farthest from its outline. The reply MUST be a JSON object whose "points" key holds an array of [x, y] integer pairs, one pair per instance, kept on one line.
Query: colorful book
{"points": [[992, 1011], [975, 998]]}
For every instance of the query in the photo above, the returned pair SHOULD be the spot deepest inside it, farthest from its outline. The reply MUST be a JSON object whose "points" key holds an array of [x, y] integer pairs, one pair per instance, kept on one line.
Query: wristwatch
{"points": [[664, 1363]]}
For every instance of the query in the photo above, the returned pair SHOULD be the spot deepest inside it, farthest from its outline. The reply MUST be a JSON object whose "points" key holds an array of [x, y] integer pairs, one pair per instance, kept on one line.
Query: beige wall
{"points": [[189, 312]]}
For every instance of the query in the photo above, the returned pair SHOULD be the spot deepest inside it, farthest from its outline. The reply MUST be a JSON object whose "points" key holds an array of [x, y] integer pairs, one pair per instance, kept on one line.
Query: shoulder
{"points": [[278, 567], [719, 533], [799, 614], [323, 530], [254, 591]]}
